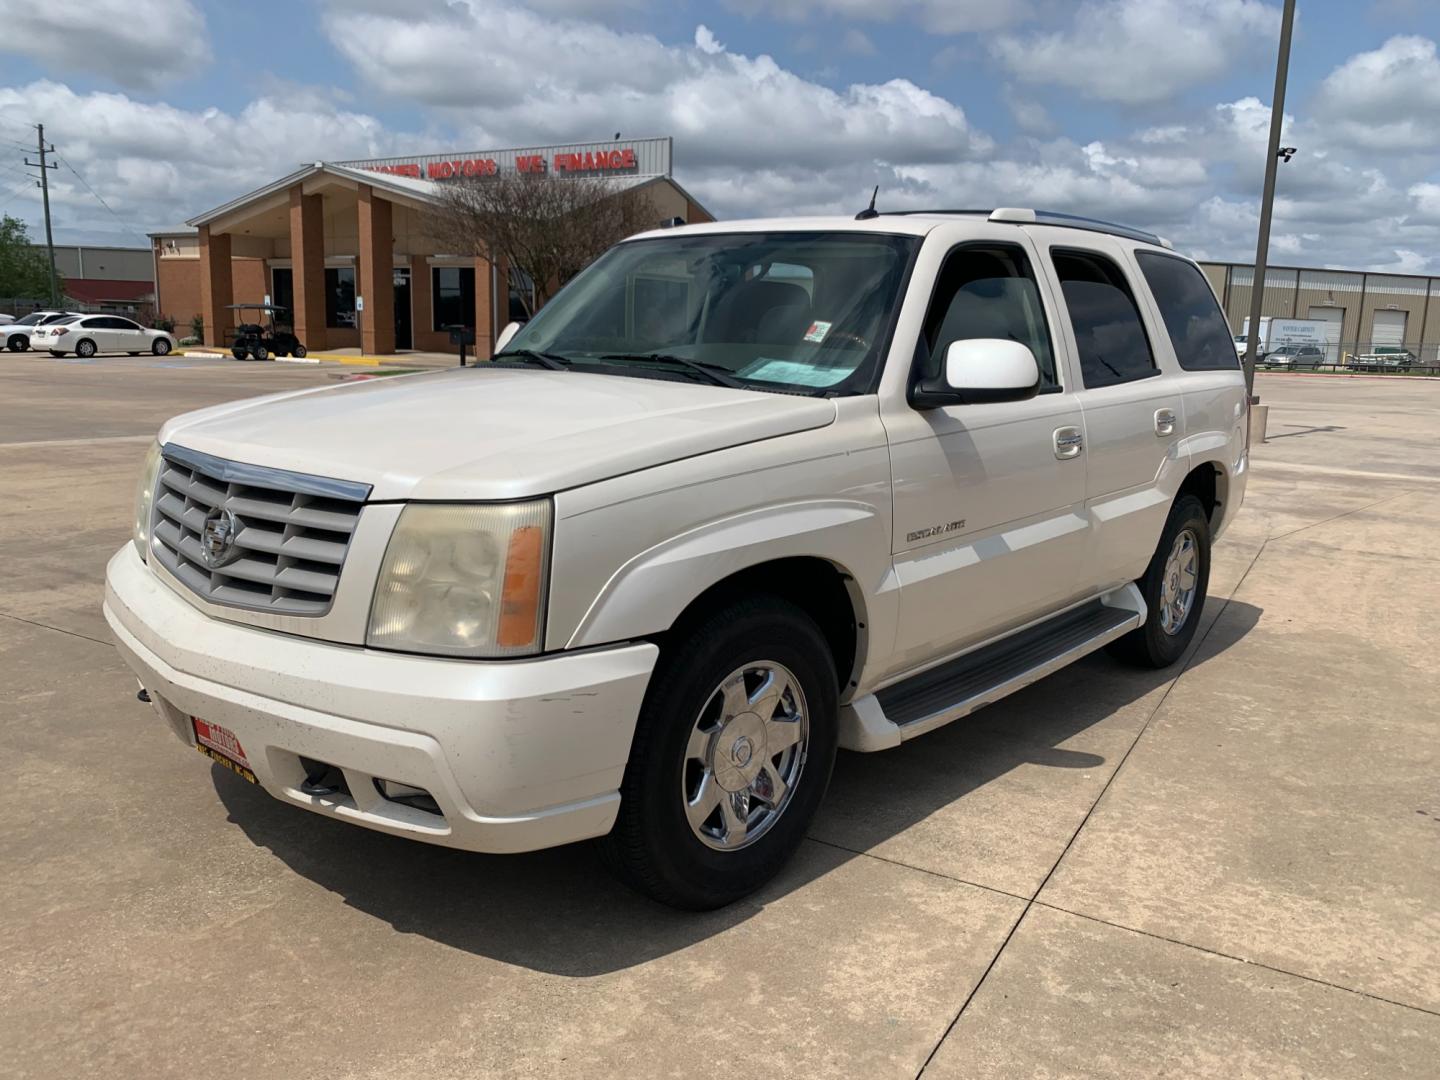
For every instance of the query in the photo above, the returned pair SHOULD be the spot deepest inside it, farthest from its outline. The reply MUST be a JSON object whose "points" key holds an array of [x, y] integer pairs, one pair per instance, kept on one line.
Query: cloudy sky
{"points": [[1152, 112]]}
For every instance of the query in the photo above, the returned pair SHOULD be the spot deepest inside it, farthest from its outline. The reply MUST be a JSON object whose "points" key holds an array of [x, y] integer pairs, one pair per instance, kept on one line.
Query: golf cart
{"points": [[259, 340]]}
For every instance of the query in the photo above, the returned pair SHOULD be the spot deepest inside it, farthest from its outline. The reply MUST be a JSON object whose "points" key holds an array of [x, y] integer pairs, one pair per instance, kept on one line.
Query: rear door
{"points": [[989, 524], [97, 328], [127, 335], [1134, 413]]}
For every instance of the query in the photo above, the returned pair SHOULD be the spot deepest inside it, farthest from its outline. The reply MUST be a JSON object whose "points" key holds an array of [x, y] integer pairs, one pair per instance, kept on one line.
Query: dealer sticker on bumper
{"points": [[220, 744]]}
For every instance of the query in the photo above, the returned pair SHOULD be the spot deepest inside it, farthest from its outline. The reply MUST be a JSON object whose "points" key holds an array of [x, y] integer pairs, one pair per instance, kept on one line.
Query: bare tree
{"points": [[547, 228]]}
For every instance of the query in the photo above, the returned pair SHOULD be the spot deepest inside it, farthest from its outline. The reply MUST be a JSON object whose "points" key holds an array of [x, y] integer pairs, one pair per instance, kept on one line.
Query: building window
{"points": [[452, 296], [340, 296]]}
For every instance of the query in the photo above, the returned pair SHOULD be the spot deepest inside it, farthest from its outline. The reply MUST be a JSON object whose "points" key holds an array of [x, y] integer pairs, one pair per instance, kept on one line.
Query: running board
{"points": [[958, 687]]}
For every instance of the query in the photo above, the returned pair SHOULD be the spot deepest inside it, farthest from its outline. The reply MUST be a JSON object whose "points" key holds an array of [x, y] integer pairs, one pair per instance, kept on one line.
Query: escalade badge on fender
{"points": [[217, 538]]}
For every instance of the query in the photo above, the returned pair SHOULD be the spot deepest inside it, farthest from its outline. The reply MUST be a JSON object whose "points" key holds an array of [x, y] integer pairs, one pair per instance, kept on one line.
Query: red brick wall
{"points": [[177, 291]]}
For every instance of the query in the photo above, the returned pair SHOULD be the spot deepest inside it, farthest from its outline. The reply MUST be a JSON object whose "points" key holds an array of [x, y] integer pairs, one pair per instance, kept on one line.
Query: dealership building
{"points": [[344, 246], [1359, 310]]}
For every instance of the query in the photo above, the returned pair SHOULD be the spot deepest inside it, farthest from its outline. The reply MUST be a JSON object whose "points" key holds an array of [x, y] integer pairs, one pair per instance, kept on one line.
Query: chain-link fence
{"points": [[1370, 357]]}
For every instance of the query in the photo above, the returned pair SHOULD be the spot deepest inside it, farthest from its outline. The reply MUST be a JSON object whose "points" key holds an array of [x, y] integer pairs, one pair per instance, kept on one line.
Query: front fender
{"points": [[648, 593]]}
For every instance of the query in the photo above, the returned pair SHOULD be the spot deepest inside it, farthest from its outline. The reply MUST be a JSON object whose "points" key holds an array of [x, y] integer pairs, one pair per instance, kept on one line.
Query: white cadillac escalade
{"points": [[741, 494]]}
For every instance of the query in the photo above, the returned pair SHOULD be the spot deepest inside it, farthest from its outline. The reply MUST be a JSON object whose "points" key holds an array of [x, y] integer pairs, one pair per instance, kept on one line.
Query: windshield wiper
{"points": [[544, 359], [712, 373]]}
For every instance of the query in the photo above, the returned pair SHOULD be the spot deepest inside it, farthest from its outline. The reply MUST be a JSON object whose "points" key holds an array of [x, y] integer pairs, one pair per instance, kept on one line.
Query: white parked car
{"points": [[87, 335], [18, 334], [6, 320], [742, 493]]}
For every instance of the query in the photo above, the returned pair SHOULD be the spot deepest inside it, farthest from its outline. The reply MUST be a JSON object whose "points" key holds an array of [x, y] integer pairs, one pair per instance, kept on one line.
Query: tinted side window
{"points": [[986, 292], [1108, 330], [1193, 320]]}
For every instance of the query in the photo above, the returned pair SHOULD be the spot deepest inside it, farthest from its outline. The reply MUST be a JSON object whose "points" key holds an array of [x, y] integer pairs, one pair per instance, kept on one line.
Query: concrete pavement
{"points": [[1227, 870]]}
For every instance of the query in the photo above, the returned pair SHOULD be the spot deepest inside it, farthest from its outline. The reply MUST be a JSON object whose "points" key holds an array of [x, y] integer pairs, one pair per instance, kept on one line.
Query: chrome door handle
{"points": [[1068, 442], [1164, 422]]}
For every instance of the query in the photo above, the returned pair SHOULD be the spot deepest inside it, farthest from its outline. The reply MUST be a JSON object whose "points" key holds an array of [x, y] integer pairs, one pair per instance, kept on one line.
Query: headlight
{"points": [[144, 499], [464, 580]]}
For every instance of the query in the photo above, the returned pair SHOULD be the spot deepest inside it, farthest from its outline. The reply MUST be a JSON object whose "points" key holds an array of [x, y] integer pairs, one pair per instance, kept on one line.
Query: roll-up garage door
{"points": [[1334, 320], [1389, 328]]}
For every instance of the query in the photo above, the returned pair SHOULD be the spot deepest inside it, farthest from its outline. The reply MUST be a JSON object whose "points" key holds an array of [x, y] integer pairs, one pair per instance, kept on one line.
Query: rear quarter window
{"points": [[1193, 319]]}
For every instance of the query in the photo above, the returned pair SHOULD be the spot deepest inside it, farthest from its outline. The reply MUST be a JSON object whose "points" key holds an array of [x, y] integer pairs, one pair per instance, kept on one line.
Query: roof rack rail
{"points": [[1022, 216]]}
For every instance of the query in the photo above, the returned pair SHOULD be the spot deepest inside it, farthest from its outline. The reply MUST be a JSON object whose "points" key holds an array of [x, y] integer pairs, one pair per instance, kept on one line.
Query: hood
{"points": [[491, 433]]}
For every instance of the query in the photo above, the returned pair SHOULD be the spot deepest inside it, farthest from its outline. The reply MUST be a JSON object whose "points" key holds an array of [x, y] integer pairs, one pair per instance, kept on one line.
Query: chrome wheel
{"points": [[745, 754], [1177, 586]]}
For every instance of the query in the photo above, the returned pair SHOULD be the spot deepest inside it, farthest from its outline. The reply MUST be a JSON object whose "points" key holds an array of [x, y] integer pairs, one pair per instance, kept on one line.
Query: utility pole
{"points": [[44, 185], [1267, 199]]}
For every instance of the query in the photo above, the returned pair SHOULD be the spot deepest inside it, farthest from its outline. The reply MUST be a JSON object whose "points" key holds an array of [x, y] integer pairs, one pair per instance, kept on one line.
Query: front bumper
{"points": [[517, 755]]}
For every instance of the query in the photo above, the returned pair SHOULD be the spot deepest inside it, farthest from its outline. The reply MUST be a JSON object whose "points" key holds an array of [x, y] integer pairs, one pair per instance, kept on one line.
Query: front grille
{"points": [[276, 540]]}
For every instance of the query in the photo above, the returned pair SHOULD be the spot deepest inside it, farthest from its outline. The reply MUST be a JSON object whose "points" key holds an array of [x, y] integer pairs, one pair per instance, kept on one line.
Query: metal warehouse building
{"points": [[1361, 310]]}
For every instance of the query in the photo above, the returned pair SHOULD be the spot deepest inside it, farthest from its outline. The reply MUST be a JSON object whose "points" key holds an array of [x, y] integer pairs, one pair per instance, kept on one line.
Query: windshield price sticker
{"points": [[817, 331]]}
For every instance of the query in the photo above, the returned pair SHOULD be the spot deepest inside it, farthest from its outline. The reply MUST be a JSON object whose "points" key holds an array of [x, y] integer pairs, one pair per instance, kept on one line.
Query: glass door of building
{"points": [[403, 336]]}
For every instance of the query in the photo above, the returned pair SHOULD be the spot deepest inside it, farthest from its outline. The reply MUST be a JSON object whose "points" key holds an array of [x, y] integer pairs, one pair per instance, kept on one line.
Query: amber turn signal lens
{"points": [[520, 596]]}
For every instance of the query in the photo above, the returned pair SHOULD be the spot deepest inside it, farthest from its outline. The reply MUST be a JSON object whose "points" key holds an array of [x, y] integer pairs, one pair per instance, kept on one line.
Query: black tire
{"points": [[1152, 645], [85, 347], [652, 847], [17, 343], [298, 352], [239, 353], [259, 352], [160, 347]]}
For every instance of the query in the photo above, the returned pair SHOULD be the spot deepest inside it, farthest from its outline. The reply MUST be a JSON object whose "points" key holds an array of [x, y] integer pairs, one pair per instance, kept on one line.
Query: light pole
{"points": [[1267, 199]]}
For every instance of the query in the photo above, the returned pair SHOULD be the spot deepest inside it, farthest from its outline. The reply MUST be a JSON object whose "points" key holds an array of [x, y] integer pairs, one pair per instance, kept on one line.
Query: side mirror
{"points": [[981, 371], [503, 338]]}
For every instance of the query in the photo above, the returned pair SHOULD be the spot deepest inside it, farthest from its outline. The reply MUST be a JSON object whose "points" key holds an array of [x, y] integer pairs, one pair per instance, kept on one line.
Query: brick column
{"points": [[375, 280], [307, 261], [484, 313], [216, 285]]}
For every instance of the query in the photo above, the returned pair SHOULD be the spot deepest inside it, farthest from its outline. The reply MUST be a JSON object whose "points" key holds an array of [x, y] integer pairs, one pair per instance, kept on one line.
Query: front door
{"points": [[990, 528], [403, 336]]}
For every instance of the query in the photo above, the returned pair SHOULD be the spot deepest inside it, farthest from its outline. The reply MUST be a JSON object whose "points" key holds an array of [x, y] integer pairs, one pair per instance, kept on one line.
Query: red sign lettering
{"points": [[587, 162]]}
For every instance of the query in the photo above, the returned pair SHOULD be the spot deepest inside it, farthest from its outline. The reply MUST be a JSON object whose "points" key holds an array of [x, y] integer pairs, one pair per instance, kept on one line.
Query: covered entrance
{"points": [[346, 250]]}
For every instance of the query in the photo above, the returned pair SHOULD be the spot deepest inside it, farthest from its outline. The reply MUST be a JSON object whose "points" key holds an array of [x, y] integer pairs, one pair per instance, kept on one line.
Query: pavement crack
{"points": [[1337, 517], [1237, 959], [57, 629], [1032, 900], [917, 869]]}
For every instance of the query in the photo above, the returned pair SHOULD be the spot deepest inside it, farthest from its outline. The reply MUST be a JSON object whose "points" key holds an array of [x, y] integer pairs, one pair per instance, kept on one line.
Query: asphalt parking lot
{"points": [[1228, 869]]}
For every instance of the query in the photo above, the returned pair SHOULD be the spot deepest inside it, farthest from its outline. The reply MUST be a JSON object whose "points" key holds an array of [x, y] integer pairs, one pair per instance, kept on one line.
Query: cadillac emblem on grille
{"points": [[217, 538]]}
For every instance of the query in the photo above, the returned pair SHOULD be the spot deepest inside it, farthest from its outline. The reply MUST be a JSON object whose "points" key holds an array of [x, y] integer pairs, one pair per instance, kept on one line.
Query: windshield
{"points": [[30, 320], [795, 311]]}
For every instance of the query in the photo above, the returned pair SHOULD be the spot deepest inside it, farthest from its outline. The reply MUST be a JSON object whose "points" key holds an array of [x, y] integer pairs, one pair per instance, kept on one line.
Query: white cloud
{"points": [[936, 16], [474, 61], [1387, 98], [139, 44], [157, 165], [1139, 51]]}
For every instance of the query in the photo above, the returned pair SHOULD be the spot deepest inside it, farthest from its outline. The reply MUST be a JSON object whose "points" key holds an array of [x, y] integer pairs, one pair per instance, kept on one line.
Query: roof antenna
{"points": [[870, 211]]}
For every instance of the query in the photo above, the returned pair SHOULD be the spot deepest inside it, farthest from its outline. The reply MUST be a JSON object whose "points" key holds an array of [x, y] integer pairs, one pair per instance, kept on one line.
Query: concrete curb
{"points": [[313, 358]]}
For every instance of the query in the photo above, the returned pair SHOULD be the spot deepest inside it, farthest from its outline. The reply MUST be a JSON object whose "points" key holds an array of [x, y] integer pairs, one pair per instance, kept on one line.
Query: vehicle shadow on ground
{"points": [[559, 912]]}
